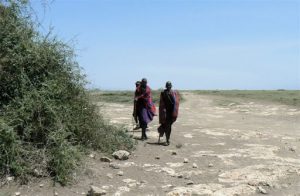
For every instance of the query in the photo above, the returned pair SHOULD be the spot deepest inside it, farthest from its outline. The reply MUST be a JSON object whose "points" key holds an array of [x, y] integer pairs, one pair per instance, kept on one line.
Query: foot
{"points": [[136, 127], [166, 143]]}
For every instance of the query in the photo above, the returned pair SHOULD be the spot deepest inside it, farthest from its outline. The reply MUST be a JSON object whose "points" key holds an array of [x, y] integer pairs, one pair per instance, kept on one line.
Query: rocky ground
{"points": [[239, 148]]}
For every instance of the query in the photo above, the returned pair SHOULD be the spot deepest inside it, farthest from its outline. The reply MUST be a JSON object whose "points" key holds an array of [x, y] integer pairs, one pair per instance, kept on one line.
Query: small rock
{"points": [[179, 176], [187, 177], [178, 145], [114, 166], [38, 173], [120, 173], [105, 159], [128, 180], [131, 185], [185, 160], [41, 185], [195, 165], [252, 183], [55, 194], [210, 165], [96, 191], [17, 193], [143, 181], [284, 186], [10, 178], [174, 153], [121, 155], [190, 183], [261, 190], [264, 183], [293, 149], [167, 186], [109, 176], [105, 187], [92, 156], [157, 157]]}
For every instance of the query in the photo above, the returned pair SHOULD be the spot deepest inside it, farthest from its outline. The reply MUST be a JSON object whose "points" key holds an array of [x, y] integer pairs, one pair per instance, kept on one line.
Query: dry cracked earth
{"points": [[239, 148]]}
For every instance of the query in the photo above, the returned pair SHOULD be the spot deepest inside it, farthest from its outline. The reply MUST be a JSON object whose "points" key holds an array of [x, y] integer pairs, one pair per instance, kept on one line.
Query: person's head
{"points": [[137, 83], [168, 85], [144, 82]]}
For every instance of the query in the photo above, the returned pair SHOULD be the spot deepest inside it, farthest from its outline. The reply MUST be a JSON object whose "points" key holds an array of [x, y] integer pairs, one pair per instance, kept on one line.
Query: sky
{"points": [[195, 44]]}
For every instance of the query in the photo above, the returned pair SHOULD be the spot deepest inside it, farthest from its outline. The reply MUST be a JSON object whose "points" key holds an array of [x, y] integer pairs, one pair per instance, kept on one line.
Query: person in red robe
{"points": [[168, 111], [146, 109], [135, 109]]}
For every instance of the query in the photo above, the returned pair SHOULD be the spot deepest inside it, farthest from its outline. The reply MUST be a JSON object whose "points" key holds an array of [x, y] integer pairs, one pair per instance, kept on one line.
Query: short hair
{"points": [[144, 80], [168, 83]]}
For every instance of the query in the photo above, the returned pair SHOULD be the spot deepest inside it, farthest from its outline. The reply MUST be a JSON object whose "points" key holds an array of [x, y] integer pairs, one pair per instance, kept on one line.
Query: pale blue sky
{"points": [[196, 44]]}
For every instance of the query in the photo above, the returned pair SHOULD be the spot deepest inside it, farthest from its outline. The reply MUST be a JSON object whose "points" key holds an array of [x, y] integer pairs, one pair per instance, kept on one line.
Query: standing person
{"points": [[145, 106], [168, 111], [135, 109]]}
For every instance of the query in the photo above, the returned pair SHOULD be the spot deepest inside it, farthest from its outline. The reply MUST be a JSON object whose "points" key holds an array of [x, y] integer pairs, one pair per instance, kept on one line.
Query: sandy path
{"points": [[236, 149]]}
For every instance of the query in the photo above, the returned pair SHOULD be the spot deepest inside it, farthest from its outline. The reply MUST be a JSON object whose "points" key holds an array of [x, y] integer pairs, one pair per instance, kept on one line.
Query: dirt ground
{"points": [[240, 148]]}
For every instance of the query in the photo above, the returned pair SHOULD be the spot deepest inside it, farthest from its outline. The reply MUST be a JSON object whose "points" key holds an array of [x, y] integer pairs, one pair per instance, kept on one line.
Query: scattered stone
{"points": [[109, 176], [175, 164], [190, 183], [55, 194], [210, 165], [261, 190], [185, 160], [173, 153], [38, 173], [131, 185], [157, 157], [41, 185], [17, 193], [128, 181], [124, 189], [180, 145], [120, 173], [96, 191], [263, 183], [167, 186], [187, 177], [253, 183], [121, 155], [179, 176], [10, 178], [293, 149], [127, 164], [105, 159], [195, 165], [92, 156], [114, 166], [105, 187], [143, 181]]}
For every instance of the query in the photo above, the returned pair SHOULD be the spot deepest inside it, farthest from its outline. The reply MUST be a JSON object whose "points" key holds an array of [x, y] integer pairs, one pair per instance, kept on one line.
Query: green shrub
{"points": [[46, 116]]}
